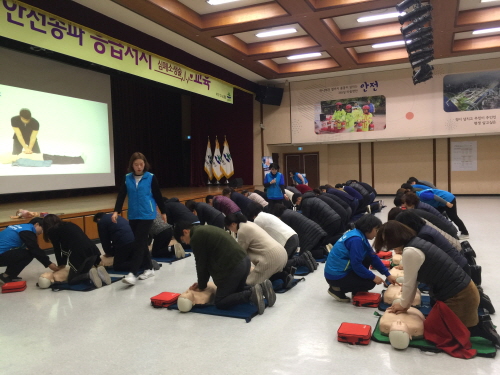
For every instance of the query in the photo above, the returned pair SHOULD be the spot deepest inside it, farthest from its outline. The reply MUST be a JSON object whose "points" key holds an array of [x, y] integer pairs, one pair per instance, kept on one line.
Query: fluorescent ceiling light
{"points": [[380, 17], [304, 56], [486, 31], [276, 32], [487, 1], [217, 2], [389, 44]]}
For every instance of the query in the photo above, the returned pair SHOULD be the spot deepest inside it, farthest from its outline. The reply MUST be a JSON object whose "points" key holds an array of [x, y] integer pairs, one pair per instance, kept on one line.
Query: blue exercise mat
{"points": [[321, 260], [170, 260], [302, 271], [82, 287], [278, 285], [243, 311], [111, 271]]}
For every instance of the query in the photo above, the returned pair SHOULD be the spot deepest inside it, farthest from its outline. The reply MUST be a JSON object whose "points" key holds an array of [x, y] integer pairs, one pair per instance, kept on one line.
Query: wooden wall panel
{"points": [[343, 163], [91, 227]]}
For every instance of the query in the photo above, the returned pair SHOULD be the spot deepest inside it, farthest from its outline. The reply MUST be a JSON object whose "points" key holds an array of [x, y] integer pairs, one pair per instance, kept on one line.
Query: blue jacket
{"points": [[348, 254], [141, 204], [425, 196], [9, 237]]}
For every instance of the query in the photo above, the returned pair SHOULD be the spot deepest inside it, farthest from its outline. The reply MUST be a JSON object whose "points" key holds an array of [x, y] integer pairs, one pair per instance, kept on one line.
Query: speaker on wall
{"points": [[269, 95]]}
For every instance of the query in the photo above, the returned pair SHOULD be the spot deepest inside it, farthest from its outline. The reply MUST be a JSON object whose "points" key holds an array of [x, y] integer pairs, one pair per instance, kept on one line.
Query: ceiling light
{"points": [[486, 31], [379, 17], [276, 32], [389, 44], [488, 1], [406, 4], [218, 2], [304, 56], [415, 13]]}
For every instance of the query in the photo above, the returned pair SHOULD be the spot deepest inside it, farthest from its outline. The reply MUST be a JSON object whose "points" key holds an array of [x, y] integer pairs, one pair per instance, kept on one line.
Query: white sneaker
{"points": [[147, 274], [463, 237], [179, 251], [130, 279]]}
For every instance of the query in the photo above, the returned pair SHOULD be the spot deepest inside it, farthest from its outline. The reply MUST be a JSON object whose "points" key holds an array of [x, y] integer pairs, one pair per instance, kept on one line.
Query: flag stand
{"points": [[209, 183]]}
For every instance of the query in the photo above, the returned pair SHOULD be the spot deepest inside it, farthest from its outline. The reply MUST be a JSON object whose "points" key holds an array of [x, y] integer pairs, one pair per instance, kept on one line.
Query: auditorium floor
{"points": [[115, 330]]}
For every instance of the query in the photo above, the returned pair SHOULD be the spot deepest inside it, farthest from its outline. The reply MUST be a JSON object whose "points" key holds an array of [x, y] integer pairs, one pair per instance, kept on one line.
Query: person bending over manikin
{"points": [[48, 278], [25, 214], [393, 292], [194, 296]]}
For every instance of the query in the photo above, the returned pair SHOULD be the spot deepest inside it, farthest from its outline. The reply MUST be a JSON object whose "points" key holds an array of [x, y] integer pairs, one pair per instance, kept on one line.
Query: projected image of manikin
{"points": [[25, 133]]}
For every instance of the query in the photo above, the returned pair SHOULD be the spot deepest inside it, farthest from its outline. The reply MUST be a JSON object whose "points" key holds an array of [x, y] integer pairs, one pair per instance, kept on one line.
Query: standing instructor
{"points": [[25, 133]]}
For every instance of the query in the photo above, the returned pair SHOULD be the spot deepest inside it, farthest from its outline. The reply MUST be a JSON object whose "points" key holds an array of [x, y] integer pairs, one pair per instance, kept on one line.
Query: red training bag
{"points": [[164, 299], [15, 286], [354, 334], [366, 299]]}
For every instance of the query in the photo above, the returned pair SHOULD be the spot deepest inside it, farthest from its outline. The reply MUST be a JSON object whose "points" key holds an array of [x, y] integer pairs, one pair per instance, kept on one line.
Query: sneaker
{"points": [[463, 237], [368, 209], [4, 279], [147, 274], [104, 275], [338, 295], [94, 277], [268, 291], [155, 264], [179, 251], [311, 258], [306, 261], [329, 247], [257, 298], [130, 279]]}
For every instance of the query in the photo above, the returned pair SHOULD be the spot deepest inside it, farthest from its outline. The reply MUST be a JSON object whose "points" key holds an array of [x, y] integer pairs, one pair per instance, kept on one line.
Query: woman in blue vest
{"points": [[298, 178], [144, 195], [275, 185], [346, 268]]}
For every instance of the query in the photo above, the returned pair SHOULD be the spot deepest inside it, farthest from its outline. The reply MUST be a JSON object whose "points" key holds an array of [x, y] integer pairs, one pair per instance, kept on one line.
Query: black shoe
{"points": [[268, 291], [467, 248], [257, 298], [304, 260], [338, 295], [288, 282], [475, 274], [155, 264], [311, 258], [4, 279], [485, 302]]}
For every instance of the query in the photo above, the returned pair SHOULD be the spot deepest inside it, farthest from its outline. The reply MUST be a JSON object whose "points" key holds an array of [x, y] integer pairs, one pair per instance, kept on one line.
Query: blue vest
{"points": [[298, 180], [9, 237], [274, 191], [339, 259], [141, 204]]}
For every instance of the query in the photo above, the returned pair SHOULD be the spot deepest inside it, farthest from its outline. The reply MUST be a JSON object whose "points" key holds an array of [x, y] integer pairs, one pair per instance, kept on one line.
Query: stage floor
{"points": [[89, 205]]}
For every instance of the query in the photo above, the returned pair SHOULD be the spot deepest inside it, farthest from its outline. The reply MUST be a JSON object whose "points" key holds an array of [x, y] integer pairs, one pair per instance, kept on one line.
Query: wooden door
{"points": [[307, 163]]}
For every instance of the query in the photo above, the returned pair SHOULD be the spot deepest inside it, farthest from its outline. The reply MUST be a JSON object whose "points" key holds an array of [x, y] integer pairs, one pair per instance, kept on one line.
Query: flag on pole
{"points": [[227, 161], [216, 162], [208, 161]]}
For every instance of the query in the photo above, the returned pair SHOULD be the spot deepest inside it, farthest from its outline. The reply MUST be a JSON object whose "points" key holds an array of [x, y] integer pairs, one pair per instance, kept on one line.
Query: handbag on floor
{"points": [[164, 299], [15, 286], [366, 299], [354, 334]]}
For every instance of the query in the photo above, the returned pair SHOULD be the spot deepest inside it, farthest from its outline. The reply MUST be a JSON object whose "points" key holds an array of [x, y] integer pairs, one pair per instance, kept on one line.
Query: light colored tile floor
{"points": [[114, 330]]}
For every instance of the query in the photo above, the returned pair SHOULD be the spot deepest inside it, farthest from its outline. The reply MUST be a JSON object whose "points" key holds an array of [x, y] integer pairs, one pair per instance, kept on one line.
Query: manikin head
{"points": [[185, 301], [399, 335]]}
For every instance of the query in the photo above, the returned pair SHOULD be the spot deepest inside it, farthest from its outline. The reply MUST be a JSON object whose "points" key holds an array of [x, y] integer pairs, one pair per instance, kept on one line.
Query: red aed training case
{"points": [[384, 254], [366, 299], [354, 334], [164, 299], [15, 286]]}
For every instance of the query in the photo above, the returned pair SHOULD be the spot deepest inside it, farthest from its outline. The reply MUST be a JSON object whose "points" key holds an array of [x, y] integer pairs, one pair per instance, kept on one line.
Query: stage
{"points": [[81, 210]]}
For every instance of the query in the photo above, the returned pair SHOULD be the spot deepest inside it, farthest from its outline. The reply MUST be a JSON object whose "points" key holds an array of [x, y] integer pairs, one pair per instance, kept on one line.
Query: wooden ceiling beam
{"points": [[243, 15], [180, 11], [307, 66], [234, 42], [371, 32], [395, 56], [443, 24], [477, 44], [290, 44], [478, 16]]}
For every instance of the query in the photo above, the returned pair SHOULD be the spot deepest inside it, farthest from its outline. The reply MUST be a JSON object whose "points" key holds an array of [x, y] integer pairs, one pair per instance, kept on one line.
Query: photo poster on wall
{"points": [[266, 163], [329, 110]]}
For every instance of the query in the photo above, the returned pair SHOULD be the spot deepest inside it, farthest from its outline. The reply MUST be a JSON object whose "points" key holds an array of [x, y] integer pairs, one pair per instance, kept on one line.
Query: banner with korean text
{"points": [[34, 26]]}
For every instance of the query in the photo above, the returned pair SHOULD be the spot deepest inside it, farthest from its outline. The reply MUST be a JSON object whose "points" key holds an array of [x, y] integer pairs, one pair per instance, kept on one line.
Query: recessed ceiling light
{"points": [[380, 17], [276, 32], [389, 44], [217, 2], [304, 56], [486, 31]]}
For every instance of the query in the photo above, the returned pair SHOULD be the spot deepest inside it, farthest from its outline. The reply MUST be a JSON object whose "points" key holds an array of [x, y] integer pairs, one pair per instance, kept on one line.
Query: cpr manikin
{"points": [[191, 297], [401, 328], [49, 278], [394, 292]]}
